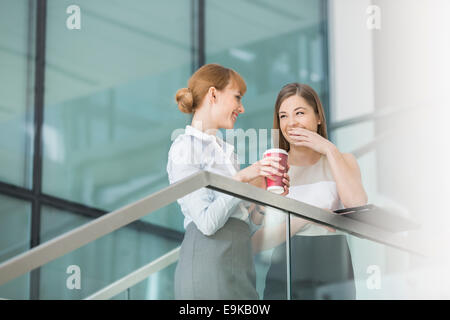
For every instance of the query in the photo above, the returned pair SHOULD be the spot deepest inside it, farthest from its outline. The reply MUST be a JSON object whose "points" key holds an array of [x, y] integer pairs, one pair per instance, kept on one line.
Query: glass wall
{"points": [[17, 19], [109, 110], [17, 28], [270, 45], [110, 75]]}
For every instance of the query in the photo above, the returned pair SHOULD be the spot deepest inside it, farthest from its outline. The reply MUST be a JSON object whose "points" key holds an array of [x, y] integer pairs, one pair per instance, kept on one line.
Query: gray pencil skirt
{"points": [[217, 267]]}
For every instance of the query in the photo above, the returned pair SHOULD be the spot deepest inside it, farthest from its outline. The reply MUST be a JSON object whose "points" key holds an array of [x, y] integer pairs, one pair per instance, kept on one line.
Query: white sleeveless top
{"points": [[313, 185]]}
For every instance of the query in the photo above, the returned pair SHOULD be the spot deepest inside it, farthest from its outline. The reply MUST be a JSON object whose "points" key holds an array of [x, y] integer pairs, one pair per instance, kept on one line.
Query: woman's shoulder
{"points": [[187, 149], [184, 141], [349, 159], [179, 140], [178, 144]]}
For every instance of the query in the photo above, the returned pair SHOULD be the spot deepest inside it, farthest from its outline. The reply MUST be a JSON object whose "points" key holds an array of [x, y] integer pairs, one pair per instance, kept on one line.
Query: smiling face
{"points": [[228, 106], [295, 112], [298, 105]]}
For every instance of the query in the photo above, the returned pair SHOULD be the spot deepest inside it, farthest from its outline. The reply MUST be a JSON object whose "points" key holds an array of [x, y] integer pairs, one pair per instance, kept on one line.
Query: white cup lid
{"points": [[277, 150], [276, 189]]}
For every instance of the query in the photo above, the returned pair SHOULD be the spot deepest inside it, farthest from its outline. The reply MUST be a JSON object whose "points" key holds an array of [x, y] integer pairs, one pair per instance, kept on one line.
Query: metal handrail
{"points": [[144, 272], [136, 276], [110, 222], [74, 239]]}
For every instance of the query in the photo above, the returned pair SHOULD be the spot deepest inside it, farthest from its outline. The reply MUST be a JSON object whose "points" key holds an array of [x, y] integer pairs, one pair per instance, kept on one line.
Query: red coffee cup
{"points": [[277, 186]]}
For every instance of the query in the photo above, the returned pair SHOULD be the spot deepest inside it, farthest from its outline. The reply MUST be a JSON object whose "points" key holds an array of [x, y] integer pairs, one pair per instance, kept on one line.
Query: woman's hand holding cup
{"points": [[269, 168], [279, 185]]}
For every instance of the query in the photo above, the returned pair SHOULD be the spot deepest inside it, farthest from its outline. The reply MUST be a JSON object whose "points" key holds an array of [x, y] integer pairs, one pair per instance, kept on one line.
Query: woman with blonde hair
{"points": [[216, 259]]}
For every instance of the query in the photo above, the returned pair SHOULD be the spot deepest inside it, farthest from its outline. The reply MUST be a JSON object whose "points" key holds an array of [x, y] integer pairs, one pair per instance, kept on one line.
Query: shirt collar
{"points": [[191, 131], [226, 147]]}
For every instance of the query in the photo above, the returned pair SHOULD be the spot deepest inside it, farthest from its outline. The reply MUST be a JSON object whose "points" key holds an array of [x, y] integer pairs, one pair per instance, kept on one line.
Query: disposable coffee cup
{"points": [[277, 186]]}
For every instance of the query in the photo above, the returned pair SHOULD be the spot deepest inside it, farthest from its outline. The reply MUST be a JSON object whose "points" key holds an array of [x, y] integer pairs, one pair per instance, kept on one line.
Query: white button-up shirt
{"points": [[192, 152]]}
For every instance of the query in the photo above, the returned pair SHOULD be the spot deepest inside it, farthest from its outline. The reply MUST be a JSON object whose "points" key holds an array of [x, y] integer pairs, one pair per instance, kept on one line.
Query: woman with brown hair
{"points": [[216, 259], [322, 176]]}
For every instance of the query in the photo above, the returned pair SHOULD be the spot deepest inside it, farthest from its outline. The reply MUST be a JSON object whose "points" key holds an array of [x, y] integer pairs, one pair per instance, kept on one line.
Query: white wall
{"points": [[351, 95], [351, 66], [404, 64], [411, 62]]}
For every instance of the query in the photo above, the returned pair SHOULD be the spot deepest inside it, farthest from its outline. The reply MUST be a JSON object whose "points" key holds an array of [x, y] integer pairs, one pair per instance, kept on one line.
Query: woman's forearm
{"points": [[348, 179]]}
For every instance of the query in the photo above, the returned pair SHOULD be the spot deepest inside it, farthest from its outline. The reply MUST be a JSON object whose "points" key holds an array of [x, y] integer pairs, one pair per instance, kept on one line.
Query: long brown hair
{"points": [[311, 97], [209, 75]]}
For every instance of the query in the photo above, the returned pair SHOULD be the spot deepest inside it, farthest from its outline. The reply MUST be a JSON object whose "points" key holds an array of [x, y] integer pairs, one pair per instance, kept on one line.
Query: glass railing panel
{"points": [[157, 286], [245, 243], [320, 258], [250, 241], [93, 266], [270, 255], [330, 264], [103, 261], [385, 272]]}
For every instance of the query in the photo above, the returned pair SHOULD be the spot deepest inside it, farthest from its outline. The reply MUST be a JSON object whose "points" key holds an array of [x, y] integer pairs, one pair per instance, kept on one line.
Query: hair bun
{"points": [[185, 100]]}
